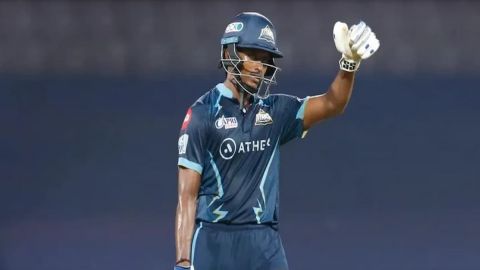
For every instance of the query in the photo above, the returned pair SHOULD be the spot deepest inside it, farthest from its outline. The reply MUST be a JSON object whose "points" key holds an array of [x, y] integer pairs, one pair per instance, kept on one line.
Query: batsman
{"points": [[229, 147]]}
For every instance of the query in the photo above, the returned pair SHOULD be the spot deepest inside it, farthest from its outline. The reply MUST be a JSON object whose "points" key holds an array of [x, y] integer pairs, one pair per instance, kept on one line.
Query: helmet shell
{"points": [[252, 30]]}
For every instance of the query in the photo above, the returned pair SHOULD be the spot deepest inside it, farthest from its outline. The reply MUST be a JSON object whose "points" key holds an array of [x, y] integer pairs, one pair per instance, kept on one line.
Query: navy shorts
{"points": [[237, 247]]}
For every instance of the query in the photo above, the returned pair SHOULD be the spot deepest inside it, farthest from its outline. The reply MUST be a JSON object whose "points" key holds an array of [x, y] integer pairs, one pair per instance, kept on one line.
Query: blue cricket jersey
{"points": [[237, 154]]}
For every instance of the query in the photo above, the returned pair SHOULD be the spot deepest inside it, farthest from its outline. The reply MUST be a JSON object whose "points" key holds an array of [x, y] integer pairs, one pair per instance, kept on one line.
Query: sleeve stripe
{"points": [[190, 165], [301, 110], [300, 115]]}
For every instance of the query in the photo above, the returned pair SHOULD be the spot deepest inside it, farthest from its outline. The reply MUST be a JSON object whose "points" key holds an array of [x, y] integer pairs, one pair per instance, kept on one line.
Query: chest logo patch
{"points": [[263, 118], [226, 122], [228, 148]]}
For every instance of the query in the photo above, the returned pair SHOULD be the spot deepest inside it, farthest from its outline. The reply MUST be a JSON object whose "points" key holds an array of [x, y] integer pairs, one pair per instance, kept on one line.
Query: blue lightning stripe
{"points": [[219, 179], [220, 213], [194, 242], [259, 209], [217, 106]]}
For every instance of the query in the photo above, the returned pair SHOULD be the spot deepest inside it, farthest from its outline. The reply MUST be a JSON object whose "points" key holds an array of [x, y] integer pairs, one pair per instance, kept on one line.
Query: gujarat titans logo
{"points": [[228, 148]]}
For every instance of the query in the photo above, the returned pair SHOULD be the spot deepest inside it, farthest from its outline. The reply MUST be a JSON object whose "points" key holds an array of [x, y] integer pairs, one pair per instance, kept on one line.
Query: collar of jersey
{"points": [[226, 92]]}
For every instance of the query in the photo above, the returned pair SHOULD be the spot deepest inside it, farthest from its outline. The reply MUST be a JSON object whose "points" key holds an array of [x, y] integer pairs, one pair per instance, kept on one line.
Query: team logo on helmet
{"points": [[234, 27], [267, 34]]}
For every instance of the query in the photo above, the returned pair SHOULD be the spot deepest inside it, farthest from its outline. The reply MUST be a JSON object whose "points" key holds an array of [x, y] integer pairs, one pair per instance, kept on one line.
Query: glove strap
{"points": [[348, 65]]}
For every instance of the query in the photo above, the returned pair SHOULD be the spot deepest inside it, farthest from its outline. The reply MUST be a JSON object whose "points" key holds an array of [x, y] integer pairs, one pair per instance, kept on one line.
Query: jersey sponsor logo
{"points": [[228, 148], [182, 144], [263, 118], [187, 119], [253, 146], [267, 35], [234, 27], [226, 122]]}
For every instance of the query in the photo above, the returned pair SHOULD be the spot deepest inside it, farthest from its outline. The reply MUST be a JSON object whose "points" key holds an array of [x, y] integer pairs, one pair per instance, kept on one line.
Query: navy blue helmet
{"points": [[253, 31]]}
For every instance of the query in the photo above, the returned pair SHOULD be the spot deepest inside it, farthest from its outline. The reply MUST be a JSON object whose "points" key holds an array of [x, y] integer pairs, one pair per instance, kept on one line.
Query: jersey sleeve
{"points": [[291, 112], [193, 139]]}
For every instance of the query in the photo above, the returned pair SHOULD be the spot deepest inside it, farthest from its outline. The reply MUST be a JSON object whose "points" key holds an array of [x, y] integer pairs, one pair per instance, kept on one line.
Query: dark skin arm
{"points": [[318, 108], [188, 186], [332, 103]]}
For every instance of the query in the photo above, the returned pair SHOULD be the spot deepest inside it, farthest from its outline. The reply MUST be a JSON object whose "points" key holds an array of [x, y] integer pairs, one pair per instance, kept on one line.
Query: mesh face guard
{"points": [[263, 88]]}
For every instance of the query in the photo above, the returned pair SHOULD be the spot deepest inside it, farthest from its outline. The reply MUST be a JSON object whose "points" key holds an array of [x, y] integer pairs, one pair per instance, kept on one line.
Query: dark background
{"points": [[92, 96]]}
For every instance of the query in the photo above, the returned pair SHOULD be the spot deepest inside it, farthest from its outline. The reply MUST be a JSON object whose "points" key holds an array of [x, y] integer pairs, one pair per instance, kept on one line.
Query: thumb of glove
{"points": [[341, 39]]}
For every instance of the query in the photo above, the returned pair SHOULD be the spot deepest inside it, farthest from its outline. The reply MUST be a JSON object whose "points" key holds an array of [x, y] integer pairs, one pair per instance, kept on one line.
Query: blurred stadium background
{"points": [[92, 94]]}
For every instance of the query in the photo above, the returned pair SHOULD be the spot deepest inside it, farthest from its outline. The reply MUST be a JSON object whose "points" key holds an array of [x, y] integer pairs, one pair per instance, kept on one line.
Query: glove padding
{"points": [[355, 44]]}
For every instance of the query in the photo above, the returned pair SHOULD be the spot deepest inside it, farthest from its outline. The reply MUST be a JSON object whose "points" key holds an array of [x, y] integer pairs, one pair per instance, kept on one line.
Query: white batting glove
{"points": [[355, 44]]}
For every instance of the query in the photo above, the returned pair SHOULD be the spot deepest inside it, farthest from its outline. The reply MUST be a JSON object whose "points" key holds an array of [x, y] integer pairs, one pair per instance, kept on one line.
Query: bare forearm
{"points": [[340, 91], [188, 186], [184, 225], [332, 103]]}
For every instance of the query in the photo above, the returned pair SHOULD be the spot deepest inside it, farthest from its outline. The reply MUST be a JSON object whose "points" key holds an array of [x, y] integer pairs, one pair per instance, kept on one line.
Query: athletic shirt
{"points": [[237, 154]]}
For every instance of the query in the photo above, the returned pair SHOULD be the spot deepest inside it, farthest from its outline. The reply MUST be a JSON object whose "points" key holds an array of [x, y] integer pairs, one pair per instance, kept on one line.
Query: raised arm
{"points": [[332, 103], [188, 186], [355, 44]]}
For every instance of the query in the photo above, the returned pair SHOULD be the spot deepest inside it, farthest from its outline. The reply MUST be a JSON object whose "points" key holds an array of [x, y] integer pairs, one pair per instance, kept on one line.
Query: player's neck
{"points": [[236, 93]]}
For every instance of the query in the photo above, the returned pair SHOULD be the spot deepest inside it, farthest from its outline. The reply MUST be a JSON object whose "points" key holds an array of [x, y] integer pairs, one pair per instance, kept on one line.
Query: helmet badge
{"points": [[234, 27], [267, 34]]}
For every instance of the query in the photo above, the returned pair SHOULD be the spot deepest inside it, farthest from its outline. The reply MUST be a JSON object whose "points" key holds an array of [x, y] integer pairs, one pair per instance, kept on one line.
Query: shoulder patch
{"points": [[182, 144], [187, 119]]}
